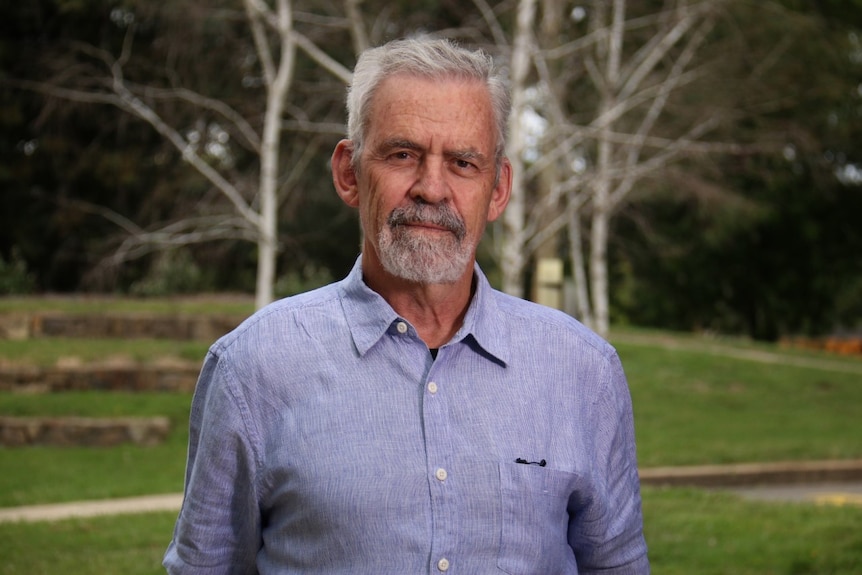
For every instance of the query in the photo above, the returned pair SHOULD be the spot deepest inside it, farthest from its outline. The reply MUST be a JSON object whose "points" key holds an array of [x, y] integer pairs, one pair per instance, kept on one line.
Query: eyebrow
{"points": [[397, 143], [469, 154]]}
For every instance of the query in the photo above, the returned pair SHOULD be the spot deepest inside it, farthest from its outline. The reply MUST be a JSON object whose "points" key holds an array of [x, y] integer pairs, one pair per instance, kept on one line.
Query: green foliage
{"points": [[766, 242], [298, 281], [779, 260], [783, 262], [173, 272], [15, 278]]}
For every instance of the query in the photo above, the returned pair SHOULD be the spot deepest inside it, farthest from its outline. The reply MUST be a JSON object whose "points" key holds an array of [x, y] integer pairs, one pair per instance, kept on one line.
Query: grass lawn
{"points": [[121, 545], [712, 533], [48, 352], [694, 407], [691, 407], [688, 531], [54, 474]]}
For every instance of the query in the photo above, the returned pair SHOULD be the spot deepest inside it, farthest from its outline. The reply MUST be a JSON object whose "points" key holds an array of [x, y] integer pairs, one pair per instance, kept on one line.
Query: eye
{"points": [[464, 165]]}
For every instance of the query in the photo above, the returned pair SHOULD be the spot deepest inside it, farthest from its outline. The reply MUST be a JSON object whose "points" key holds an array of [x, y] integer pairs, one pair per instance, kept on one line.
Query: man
{"points": [[410, 419]]}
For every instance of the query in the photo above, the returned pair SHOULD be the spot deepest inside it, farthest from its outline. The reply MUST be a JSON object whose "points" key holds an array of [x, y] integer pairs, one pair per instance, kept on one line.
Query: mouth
{"points": [[428, 227], [437, 220]]}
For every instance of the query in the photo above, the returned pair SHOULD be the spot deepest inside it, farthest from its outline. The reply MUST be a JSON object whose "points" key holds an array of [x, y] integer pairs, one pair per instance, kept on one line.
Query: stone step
{"points": [[178, 378], [82, 431], [122, 326]]}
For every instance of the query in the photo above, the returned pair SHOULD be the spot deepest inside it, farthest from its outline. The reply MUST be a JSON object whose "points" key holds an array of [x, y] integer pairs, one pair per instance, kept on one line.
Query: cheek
{"points": [[373, 213], [476, 219]]}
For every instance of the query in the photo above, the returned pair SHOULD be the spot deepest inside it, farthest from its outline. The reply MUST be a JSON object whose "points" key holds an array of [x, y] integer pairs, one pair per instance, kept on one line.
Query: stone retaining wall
{"points": [[82, 431], [747, 474], [126, 326], [87, 378]]}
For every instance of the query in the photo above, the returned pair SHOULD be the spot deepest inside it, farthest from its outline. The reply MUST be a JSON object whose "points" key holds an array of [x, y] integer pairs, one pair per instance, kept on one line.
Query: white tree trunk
{"points": [[599, 260], [583, 309], [602, 187], [278, 76], [513, 258]]}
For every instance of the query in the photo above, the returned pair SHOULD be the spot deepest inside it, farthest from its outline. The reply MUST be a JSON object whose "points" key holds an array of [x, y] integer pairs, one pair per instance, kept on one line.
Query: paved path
{"points": [[145, 504], [823, 482]]}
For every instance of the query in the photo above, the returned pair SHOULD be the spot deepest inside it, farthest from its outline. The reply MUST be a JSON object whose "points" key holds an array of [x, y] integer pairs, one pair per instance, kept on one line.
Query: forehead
{"points": [[448, 110]]}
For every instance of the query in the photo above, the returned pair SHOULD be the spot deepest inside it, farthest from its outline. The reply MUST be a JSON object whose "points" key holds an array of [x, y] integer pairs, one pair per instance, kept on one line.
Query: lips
{"points": [[437, 217]]}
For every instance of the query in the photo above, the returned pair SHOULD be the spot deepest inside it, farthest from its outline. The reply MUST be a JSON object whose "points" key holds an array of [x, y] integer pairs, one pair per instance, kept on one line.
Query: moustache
{"points": [[440, 215]]}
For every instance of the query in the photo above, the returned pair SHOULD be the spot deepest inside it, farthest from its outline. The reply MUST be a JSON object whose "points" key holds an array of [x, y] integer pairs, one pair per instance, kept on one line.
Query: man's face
{"points": [[426, 179]]}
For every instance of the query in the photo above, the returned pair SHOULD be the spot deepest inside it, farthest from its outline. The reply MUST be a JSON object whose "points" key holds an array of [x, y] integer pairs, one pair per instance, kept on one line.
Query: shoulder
{"points": [[282, 319], [541, 323]]}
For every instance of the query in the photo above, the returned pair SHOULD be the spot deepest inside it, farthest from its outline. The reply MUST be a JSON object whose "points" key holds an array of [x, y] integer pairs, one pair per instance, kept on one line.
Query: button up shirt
{"points": [[326, 439]]}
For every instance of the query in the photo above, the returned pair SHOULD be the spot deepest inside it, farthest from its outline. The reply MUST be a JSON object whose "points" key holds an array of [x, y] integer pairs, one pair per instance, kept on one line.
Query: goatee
{"points": [[421, 257]]}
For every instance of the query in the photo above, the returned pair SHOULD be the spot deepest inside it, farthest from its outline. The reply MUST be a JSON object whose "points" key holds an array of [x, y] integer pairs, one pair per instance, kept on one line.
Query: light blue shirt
{"points": [[325, 439]]}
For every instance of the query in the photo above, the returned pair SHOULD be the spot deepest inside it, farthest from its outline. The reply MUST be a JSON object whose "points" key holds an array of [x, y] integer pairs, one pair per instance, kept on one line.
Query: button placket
{"points": [[444, 489]]}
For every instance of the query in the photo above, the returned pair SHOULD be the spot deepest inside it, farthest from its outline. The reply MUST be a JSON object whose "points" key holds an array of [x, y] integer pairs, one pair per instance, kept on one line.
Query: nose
{"points": [[431, 185]]}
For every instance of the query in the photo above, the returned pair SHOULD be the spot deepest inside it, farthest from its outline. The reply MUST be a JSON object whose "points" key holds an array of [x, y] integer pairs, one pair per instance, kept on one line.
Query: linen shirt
{"points": [[325, 438]]}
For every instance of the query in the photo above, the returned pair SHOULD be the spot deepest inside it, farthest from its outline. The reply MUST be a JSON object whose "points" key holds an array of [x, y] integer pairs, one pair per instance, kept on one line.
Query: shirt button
{"points": [[432, 387], [441, 474], [443, 564], [401, 327]]}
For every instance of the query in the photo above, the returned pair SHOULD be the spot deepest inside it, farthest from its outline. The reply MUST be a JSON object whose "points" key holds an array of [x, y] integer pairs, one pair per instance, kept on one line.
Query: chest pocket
{"points": [[535, 520]]}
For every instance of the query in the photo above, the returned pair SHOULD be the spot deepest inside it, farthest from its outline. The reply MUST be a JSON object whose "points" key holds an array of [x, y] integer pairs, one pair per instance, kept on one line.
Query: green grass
{"points": [[46, 352], [716, 533], [121, 545], [56, 474], [693, 407], [723, 344], [688, 532]]}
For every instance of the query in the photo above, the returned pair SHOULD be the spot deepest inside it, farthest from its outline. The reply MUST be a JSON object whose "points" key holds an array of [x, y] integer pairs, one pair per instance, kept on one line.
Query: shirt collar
{"points": [[369, 316]]}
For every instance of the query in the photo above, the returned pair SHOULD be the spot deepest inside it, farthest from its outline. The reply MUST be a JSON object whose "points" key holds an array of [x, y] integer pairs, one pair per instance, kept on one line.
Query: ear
{"points": [[343, 175], [502, 191]]}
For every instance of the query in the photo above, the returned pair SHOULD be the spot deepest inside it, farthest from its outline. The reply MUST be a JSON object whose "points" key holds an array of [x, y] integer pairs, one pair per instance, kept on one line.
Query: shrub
{"points": [[14, 275]]}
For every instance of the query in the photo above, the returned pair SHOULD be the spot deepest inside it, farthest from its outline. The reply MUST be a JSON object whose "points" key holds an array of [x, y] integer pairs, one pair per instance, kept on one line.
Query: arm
{"points": [[218, 529], [607, 536]]}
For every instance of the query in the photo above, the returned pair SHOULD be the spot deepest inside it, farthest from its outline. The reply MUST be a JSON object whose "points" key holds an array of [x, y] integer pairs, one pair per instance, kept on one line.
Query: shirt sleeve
{"points": [[607, 536], [218, 528]]}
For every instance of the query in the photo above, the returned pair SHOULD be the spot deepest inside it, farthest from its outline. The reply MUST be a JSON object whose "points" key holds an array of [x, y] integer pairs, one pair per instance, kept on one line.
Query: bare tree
{"points": [[605, 91], [513, 255], [254, 206]]}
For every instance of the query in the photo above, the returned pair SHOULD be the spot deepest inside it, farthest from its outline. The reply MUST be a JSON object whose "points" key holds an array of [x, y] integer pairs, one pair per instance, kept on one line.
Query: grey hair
{"points": [[425, 57]]}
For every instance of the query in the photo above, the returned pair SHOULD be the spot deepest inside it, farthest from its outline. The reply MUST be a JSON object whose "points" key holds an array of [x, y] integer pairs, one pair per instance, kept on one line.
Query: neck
{"points": [[436, 310]]}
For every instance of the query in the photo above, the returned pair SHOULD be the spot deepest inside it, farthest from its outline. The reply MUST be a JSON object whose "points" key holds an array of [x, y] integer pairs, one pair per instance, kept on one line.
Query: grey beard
{"points": [[418, 258]]}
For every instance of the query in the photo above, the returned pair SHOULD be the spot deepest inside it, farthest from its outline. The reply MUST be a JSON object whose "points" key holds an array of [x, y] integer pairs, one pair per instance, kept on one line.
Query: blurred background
{"points": [[688, 183], [691, 165]]}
